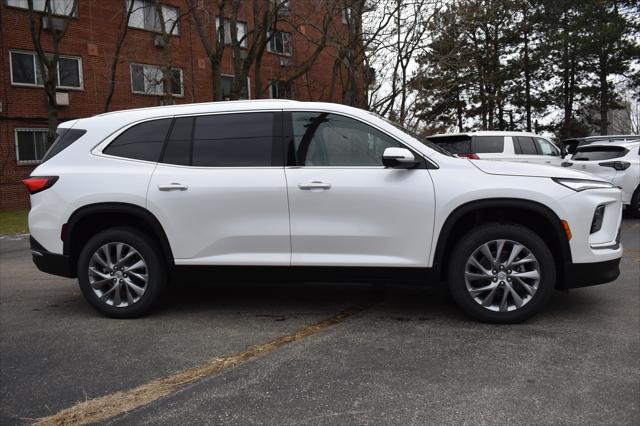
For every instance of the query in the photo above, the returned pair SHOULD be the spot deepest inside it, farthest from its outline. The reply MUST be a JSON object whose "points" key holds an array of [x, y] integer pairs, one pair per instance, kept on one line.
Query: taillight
{"points": [[618, 165], [470, 156], [36, 184]]}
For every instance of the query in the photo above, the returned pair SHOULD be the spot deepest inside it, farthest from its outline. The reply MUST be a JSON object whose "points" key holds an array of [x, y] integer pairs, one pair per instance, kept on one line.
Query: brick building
{"points": [[89, 46]]}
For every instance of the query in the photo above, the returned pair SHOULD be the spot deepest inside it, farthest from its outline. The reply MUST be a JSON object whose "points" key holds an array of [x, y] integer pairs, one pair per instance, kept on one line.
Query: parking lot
{"points": [[398, 354]]}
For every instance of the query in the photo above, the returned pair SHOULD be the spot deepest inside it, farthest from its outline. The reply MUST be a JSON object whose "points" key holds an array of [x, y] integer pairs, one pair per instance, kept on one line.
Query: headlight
{"points": [[583, 184]]}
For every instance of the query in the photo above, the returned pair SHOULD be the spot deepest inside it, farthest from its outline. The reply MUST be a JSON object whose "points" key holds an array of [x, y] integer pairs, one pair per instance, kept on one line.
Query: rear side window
{"points": [[64, 138], [487, 144], [453, 144], [525, 145], [178, 149], [598, 153], [233, 140], [141, 142]]}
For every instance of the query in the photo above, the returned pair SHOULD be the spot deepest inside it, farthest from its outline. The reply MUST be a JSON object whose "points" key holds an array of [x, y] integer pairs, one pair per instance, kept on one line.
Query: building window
{"points": [[347, 15], [31, 145], [149, 80], [56, 7], [25, 71], [227, 81], [280, 43], [242, 31], [280, 90], [145, 16]]}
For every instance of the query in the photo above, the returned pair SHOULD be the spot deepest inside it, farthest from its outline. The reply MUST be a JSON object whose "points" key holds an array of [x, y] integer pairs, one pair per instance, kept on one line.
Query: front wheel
{"points": [[121, 273], [501, 273]]}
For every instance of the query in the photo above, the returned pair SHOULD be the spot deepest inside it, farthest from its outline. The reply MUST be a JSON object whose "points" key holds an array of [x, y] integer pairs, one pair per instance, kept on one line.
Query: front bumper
{"points": [[588, 274], [51, 263]]}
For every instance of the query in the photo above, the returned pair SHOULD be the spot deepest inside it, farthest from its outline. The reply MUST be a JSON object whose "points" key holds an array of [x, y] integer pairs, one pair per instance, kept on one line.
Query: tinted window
{"points": [[525, 145], [546, 148], [323, 139], [141, 142], [485, 144], [233, 140], [65, 137], [598, 153], [453, 144], [178, 149]]}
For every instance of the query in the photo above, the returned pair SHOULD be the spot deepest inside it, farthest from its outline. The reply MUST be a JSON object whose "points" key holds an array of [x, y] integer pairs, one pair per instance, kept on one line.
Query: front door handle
{"points": [[314, 185], [174, 186]]}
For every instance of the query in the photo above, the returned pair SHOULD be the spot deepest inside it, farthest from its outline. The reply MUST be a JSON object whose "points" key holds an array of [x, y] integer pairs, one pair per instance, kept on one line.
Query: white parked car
{"points": [[309, 191], [619, 163], [521, 147]]}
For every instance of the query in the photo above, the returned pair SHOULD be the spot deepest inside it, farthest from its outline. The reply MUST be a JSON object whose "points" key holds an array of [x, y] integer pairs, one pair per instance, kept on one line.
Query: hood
{"points": [[508, 168]]}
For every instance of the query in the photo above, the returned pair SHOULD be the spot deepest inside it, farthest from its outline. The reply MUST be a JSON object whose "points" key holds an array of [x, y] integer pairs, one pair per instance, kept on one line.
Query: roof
{"points": [[486, 133], [630, 144]]}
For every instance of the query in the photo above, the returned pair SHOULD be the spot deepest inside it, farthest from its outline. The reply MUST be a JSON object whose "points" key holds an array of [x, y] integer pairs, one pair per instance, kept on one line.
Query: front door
{"points": [[346, 208]]}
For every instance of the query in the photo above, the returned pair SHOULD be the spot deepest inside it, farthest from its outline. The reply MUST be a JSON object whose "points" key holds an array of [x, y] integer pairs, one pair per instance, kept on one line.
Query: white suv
{"points": [[619, 163], [503, 146], [308, 191]]}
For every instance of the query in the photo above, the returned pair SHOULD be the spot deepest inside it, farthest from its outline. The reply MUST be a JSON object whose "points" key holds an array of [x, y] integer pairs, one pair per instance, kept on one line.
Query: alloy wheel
{"points": [[502, 275]]}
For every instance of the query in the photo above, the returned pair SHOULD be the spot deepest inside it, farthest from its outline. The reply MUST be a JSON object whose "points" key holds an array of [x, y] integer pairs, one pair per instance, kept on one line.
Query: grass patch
{"points": [[14, 222]]}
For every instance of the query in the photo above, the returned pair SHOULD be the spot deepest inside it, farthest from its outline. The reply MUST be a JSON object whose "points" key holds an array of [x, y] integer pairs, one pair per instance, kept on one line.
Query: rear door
{"points": [[220, 190]]}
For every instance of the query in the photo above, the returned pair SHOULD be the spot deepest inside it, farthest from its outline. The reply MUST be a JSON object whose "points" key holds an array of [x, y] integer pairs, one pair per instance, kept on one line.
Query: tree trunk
{"points": [[604, 94]]}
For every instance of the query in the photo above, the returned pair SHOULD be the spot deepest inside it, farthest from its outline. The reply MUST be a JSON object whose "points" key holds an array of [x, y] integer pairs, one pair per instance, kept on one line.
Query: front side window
{"points": [[149, 80], [141, 142], [241, 28], [227, 82], [324, 139], [25, 70], [280, 43], [56, 7], [31, 145], [233, 140], [546, 148], [280, 90], [145, 16]]}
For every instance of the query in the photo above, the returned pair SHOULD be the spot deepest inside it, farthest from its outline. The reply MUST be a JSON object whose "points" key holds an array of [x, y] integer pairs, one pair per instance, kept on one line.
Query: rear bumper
{"points": [[588, 274], [51, 263]]}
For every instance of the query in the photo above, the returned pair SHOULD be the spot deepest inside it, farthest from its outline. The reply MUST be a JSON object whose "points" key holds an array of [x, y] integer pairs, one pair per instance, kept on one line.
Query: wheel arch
{"points": [[88, 220], [535, 216]]}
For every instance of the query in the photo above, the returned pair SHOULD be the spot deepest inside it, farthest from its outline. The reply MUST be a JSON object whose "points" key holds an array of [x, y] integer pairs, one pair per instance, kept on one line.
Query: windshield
{"points": [[415, 136]]}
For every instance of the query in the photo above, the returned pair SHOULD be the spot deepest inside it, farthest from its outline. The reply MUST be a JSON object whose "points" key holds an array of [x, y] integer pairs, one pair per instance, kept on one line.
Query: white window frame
{"points": [[248, 83], [36, 71], [271, 37], [38, 6], [347, 15], [27, 129], [137, 92], [165, 9], [243, 35]]}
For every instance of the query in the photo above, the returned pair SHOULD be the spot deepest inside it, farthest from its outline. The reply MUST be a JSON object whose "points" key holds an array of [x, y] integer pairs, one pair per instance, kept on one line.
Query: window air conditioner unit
{"points": [[158, 41], [284, 62], [62, 98], [53, 23]]}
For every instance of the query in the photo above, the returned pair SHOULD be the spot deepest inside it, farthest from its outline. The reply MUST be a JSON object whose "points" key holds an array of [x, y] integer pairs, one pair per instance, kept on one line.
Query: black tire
{"points": [[156, 272], [634, 208], [468, 244]]}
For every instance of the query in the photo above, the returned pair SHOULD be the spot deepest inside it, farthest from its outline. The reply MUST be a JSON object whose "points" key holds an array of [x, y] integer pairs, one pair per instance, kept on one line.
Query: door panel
{"points": [[367, 217]]}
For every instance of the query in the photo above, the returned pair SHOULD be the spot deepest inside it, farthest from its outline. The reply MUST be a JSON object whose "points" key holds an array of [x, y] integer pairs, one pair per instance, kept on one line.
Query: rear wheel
{"points": [[501, 273], [121, 273], [634, 207]]}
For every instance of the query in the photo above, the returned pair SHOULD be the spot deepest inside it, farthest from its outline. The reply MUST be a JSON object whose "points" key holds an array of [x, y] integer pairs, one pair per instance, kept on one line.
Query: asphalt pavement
{"points": [[409, 358]]}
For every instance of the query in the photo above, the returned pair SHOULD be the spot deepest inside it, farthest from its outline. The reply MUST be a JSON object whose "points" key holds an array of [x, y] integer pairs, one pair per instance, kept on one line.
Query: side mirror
{"points": [[563, 151], [399, 158]]}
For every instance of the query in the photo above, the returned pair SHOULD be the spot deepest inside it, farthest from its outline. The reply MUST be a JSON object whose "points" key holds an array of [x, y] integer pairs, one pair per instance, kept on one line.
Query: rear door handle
{"points": [[314, 185], [174, 186]]}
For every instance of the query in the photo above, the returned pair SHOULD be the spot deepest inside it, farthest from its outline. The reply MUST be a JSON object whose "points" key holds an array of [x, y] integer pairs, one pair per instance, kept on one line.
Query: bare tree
{"points": [[48, 62], [122, 34]]}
